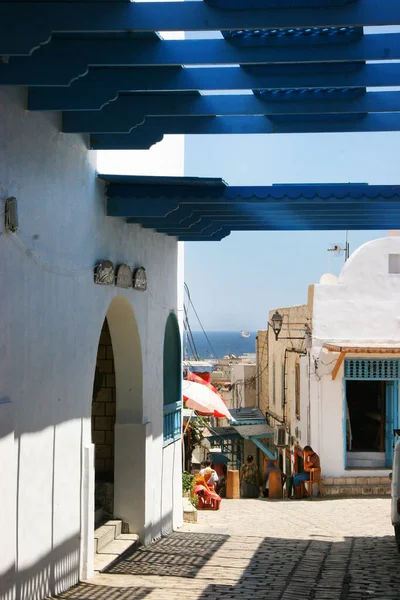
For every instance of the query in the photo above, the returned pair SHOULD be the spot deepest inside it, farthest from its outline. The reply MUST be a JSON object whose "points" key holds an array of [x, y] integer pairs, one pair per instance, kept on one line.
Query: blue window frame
{"points": [[172, 380]]}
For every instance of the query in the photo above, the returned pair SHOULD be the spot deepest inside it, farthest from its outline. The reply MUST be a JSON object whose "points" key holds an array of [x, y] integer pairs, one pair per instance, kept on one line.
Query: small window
{"points": [[394, 264], [297, 389]]}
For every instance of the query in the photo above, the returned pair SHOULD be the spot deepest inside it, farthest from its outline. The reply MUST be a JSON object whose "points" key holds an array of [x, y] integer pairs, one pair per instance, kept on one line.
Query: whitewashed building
{"points": [[85, 409], [338, 388]]}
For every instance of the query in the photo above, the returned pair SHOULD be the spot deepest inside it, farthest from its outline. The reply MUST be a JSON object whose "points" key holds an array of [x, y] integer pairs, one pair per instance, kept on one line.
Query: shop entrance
{"points": [[371, 420]]}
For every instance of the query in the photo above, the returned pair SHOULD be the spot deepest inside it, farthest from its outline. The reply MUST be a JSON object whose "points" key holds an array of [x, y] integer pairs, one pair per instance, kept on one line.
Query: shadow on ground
{"points": [[355, 568]]}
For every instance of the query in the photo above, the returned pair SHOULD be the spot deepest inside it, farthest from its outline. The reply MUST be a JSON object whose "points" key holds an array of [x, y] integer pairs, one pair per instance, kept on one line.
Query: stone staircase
{"points": [[356, 486], [110, 543]]}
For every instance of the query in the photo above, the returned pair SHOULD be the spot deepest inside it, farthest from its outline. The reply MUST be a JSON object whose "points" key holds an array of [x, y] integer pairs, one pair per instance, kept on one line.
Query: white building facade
{"points": [[354, 366], [89, 372], [334, 371]]}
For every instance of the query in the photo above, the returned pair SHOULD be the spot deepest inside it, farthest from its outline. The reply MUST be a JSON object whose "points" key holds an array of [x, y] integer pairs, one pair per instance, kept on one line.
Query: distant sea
{"points": [[222, 342]]}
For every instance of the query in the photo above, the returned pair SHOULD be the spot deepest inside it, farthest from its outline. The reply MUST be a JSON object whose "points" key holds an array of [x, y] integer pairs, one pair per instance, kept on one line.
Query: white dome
{"points": [[328, 279]]}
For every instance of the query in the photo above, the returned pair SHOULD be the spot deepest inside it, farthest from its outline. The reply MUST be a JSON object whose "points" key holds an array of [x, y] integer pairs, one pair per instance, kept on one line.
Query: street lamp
{"points": [[277, 321], [276, 325]]}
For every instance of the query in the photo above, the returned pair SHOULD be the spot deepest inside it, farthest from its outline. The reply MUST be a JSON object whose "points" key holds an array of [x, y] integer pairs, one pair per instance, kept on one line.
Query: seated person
{"points": [[206, 494], [208, 473], [311, 461], [271, 466]]}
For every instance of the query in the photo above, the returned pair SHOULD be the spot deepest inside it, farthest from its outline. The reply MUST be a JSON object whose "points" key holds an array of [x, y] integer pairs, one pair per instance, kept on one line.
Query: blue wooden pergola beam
{"points": [[195, 217], [332, 225], [154, 128], [130, 111], [48, 66], [314, 223], [19, 37], [101, 86]]}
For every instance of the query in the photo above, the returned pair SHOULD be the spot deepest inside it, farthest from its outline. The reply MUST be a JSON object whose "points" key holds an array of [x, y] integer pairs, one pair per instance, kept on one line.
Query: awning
{"points": [[370, 349], [357, 349]]}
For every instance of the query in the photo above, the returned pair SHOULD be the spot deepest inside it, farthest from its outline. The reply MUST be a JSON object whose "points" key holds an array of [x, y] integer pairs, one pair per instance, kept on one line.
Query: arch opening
{"points": [[117, 416], [172, 380]]}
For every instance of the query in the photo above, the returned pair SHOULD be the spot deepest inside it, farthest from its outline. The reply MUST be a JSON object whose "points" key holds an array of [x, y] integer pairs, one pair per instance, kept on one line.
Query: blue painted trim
{"points": [[47, 65], [101, 86], [175, 16], [129, 111], [391, 420], [213, 210], [154, 128], [267, 451], [172, 407]]}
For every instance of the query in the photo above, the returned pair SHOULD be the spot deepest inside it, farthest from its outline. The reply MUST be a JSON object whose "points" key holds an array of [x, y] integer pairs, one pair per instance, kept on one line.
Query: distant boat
{"points": [[244, 334]]}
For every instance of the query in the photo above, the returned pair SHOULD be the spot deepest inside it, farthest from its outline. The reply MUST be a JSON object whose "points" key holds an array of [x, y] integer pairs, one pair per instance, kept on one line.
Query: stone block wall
{"points": [[103, 408]]}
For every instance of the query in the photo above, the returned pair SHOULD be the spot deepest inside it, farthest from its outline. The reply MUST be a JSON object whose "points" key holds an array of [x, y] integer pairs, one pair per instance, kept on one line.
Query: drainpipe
{"points": [[257, 373]]}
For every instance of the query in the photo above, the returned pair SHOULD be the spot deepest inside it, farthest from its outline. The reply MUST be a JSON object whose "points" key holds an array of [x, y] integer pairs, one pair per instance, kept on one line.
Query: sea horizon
{"points": [[220, 344]]}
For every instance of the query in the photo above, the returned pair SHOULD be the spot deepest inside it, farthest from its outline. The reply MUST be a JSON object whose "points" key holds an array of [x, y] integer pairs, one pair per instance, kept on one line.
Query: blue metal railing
{"points": [[172, 422]]}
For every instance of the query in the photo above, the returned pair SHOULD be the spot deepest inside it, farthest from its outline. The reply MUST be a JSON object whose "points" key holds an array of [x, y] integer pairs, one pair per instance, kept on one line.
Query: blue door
{"points": [[392, 419]]}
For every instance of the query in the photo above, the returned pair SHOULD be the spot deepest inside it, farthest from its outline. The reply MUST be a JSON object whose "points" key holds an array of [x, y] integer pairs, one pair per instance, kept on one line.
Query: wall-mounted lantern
{"points": [[276, 325]]}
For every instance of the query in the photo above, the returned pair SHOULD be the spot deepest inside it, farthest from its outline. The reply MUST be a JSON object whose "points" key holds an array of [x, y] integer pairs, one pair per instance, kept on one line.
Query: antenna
{"points": [[338, 249]]}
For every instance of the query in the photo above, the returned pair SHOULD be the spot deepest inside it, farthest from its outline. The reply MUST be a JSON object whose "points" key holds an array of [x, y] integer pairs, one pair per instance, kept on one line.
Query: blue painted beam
{"points": [[379, 222], [19, 37], [298, 225], [102, 85], [154, 128], [130, 191], [130, 111], [316, 215], [48, 66]]}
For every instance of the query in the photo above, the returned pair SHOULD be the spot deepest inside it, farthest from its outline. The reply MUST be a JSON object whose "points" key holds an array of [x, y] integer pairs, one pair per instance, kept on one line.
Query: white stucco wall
{"points": [[360, 309], [243, 377], [51, 316]]}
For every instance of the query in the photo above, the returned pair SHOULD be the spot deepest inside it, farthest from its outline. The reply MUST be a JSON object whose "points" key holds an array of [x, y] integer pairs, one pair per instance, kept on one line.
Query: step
{"points": [[351, 480], [106, 533], [189, 511], [356, 486], [114, 549], [350, 490]]}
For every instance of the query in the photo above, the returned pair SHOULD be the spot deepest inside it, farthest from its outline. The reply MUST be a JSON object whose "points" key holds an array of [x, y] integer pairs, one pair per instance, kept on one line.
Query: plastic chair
{"points": [[315, 477]]}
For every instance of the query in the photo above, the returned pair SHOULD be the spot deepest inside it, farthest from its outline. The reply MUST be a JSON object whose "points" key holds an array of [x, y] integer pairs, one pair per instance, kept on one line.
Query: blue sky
{"points": [[235, 282]]}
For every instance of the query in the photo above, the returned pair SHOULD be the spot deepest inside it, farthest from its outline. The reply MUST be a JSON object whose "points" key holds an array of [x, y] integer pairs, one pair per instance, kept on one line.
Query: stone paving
{"points": [[254, 549]]}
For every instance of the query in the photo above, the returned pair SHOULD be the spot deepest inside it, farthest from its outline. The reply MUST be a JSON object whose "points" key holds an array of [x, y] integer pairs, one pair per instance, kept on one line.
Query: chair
{"points": [[315, 477], [275, 485]]}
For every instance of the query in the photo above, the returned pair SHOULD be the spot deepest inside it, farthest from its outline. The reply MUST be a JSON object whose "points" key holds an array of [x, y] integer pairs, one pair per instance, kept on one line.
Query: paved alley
{"points": [[288, 550]]}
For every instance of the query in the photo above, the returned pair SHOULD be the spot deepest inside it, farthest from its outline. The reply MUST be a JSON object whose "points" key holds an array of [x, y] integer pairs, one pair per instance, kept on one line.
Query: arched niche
{"points": [[172, 362]]}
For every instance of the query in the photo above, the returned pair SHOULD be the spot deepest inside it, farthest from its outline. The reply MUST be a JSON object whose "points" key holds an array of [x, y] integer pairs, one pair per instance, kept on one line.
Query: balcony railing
{"points": [[172, 422]]}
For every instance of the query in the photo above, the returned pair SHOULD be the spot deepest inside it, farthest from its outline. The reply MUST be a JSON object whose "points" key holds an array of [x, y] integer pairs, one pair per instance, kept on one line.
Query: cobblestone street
{"points": [[289, 550]]}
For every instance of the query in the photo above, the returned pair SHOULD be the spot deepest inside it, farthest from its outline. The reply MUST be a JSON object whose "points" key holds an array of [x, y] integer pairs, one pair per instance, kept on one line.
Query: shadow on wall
{"points": [[59, 570], [311, 569], [56, 570]]}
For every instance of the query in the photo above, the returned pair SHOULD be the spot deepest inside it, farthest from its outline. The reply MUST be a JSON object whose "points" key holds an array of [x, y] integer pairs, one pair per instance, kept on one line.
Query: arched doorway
{"points": [[103, 425], [117, 413]]}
